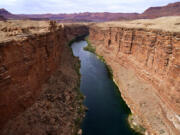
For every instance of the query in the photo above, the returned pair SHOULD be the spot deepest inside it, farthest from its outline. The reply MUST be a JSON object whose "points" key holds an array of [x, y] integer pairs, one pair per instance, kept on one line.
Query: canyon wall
{"points": [[146, 67], [30, 52]]}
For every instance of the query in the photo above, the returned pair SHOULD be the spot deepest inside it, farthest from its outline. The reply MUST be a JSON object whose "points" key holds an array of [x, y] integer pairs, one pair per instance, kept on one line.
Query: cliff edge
{"points": [[145, 58], [39, 78]]}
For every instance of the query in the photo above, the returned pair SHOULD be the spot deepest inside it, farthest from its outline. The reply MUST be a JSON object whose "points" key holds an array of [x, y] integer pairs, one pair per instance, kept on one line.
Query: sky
{"points": [[76, 6]]}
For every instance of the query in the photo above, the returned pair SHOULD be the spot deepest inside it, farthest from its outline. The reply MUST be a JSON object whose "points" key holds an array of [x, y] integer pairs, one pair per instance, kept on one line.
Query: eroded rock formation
{"points": [[145, 59], [31, 52]]}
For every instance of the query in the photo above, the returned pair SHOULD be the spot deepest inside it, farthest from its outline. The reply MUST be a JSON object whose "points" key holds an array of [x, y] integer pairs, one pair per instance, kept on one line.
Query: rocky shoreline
{"points": [[132, 120]]}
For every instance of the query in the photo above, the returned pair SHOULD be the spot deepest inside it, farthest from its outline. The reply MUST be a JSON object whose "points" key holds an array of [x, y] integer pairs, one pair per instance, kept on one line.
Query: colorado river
{"points": [[107, 112]]}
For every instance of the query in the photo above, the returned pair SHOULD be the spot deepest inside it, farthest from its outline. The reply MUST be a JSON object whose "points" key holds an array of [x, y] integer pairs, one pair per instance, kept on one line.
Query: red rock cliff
{"points": [[146, 66], [29, 53]]}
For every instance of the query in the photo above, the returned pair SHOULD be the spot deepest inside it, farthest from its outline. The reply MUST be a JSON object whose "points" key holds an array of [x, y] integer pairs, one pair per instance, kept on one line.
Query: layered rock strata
{"points": [[30, 53], [145, 59]]}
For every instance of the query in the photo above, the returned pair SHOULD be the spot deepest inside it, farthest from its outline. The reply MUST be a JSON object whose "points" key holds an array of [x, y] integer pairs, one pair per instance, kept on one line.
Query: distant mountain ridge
{"points": [[172, 9], [86, 16], [7, 15]]}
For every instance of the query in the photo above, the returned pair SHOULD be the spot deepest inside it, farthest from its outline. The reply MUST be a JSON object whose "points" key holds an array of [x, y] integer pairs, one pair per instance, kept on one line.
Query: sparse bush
{"points": [[89, 47]]}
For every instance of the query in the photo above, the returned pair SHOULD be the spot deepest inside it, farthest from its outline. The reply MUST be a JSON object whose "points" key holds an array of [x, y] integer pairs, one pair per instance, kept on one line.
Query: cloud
{"points": [[71, 6]]}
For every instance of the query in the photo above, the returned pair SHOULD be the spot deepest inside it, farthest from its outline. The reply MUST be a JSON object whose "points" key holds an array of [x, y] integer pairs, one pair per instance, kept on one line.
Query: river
{"points": [[107, 112]]}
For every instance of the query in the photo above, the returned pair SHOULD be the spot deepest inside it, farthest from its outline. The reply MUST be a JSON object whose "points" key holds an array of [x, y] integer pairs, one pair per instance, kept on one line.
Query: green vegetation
{"points": [[110, 72], [72, 41], [108, 67], [101, 58], [79, 96], [89, 47], [77, 67], [80, 111], [136, 126], [77, 121], [92, 49]]}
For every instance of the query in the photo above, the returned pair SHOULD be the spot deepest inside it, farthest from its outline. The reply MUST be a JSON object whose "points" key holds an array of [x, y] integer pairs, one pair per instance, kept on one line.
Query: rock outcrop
{"points": [[30, 53], [145, 59]]}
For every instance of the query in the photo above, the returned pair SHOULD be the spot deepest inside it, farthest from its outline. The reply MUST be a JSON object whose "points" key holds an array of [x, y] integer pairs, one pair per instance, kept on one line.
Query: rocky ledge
{"points": [[145, 58], [39, 78]]}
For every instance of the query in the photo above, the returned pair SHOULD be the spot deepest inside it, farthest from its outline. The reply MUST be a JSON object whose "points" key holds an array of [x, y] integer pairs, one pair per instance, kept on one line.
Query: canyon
{"points": [[39, 78], [145, 59]]}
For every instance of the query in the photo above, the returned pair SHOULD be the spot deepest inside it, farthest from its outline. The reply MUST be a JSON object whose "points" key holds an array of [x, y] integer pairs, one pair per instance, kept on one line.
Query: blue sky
{"points": [[71, 6]]}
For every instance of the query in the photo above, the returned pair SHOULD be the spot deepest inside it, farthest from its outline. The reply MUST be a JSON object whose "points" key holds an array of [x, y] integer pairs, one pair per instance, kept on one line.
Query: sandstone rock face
{"points": [[146, 67], [29, 54]]}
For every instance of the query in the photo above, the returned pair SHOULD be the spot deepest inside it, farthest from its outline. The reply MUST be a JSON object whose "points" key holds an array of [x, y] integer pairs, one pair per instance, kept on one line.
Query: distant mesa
{"points": [[6, 14], [172, 9]]}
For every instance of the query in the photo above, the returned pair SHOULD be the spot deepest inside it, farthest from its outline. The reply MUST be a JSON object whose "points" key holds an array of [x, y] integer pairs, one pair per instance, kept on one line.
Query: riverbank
{"points": [[80, 97], [145, 64], [133, 124], [92, 49], [107, 113]]}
